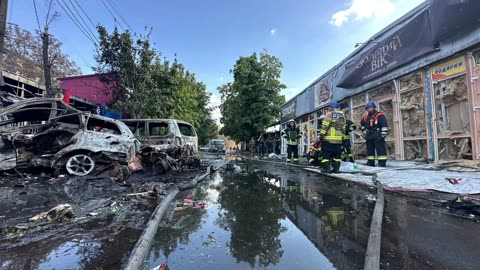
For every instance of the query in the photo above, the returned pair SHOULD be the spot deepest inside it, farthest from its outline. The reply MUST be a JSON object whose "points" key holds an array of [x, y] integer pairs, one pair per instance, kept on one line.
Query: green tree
{"points": [[147, 86], [252, 101]]}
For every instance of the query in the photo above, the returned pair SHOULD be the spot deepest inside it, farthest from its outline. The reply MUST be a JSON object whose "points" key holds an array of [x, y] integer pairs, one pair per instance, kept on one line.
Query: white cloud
{"points": [[220, 79], [363, 9], [290, 92], [273, 31], [215, 100], [216, 115]]}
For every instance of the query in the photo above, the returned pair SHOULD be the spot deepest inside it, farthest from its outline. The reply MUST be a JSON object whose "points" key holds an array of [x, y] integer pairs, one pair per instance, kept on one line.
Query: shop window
{"points": [[452, 106], [415, 149], [412, 108], [381, 92], [458, 148], [411, 81], [359, 100]]}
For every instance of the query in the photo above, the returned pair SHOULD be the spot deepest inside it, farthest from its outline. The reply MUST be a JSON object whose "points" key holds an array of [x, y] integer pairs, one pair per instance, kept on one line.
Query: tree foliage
{"points": [[147, 86], [24, 55], [252, 101]]}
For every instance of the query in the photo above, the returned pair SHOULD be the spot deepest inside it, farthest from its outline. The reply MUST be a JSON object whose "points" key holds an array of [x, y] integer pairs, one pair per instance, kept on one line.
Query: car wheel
{"points": [[80, 165]]}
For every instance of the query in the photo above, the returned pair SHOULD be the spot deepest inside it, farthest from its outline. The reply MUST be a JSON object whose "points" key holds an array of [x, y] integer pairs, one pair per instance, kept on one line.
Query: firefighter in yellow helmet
{"points": [[333, 128], [292, 133]]}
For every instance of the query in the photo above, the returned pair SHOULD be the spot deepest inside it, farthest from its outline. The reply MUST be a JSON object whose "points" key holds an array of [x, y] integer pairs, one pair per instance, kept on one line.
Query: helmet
{"points": [[291, 120], [370, 104], [334, 105], [322, 116]]}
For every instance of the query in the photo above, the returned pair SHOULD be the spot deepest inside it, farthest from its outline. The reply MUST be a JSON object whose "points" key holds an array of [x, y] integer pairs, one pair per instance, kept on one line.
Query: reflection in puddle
{"points": [[256, 221]]}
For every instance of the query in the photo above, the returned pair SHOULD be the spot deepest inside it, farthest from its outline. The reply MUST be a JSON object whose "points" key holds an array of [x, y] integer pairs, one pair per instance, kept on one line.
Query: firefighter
{"points": [[292, 134], [333, 128], [347, 145], [315, 154], [375, 127]]}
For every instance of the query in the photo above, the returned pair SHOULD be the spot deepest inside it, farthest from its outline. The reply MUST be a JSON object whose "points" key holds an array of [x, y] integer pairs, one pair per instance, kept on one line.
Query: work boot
{"points": [[336, 167], [382, 163], [371, 163], [325, 167]]}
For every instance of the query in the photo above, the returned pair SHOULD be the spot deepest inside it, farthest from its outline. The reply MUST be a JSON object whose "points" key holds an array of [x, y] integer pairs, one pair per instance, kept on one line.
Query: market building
{"points": [[422, 71]]}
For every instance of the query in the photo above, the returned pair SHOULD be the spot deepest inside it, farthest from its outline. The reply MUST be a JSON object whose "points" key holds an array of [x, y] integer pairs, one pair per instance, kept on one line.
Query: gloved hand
{"points": [[384, 134]]}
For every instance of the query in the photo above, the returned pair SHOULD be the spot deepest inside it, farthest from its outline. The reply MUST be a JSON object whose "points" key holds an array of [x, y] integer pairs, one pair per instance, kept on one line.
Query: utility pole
{"points": [[47, 65], [3, 27]]}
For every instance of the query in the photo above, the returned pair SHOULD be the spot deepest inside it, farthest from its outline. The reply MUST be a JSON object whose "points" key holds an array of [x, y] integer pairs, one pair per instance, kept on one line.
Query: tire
{"points": [[80, 165]]}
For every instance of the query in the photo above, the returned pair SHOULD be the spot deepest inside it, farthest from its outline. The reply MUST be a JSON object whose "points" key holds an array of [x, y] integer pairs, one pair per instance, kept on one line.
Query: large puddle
{"points": [[261, 222]]}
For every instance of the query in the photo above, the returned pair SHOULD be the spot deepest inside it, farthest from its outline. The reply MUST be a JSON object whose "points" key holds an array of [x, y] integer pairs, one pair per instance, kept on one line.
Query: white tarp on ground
{"points": [[409, 176]]}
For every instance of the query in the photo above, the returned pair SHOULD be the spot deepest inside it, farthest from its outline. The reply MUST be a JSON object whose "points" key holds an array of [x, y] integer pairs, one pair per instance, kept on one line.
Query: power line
{"points": [[113, 15], [120, 15], [86, 15], [36, 15], [81, 18], [79, 26]]}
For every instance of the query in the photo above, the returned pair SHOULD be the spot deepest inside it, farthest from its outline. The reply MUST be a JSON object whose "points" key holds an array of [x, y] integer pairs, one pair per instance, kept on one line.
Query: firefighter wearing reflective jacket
{"points": [[292, 134], [375, 127], [333, 128], [315, 154], [347, 145]]}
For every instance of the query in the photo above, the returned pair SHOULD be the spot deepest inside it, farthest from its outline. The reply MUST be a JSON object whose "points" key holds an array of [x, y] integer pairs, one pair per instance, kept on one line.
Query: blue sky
{"points": [[208, 36]]}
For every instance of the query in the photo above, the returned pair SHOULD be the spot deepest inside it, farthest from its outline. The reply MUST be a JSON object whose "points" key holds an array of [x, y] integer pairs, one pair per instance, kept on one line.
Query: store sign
{"points": [[289, 109], [322, 94], [449, 68], [409, 42]]}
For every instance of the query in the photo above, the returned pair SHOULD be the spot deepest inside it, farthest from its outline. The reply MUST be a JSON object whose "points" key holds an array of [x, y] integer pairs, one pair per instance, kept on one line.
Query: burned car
{"points": [[48, 133], [161, 133]]}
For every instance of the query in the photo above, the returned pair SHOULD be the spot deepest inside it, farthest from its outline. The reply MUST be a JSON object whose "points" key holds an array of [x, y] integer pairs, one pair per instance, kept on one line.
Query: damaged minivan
{"points": [[161, 133], [48, 133]]}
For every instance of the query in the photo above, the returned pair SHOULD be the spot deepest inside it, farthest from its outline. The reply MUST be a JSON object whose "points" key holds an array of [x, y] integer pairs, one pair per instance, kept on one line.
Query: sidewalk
{"points": [[408, 175]]}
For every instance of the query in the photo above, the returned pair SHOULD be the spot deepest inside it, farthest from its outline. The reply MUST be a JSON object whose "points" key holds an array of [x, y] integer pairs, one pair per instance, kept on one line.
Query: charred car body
{"points": [[161, 133], [49, 133]]}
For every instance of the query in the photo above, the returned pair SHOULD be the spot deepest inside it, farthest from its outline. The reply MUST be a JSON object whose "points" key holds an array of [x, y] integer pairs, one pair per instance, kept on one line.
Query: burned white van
{"points": [[163, 132]]}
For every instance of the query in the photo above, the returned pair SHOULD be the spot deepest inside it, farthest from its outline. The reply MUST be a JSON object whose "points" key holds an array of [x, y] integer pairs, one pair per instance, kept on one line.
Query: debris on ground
{"points": [[464, 204], [59, 212], [452, 180]]}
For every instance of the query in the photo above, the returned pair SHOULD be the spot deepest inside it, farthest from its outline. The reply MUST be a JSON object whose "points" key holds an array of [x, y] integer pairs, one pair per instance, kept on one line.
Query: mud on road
{"points": [[108, 217]]}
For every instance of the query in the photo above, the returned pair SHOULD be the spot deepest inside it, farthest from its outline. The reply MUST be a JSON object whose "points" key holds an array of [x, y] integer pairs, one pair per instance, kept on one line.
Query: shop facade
{"points": [[429, 91]]}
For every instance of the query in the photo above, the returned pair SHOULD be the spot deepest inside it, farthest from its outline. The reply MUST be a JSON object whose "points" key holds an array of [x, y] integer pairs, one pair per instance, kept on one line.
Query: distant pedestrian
{"points": [[261, 146], [292, 133], [277, 143], [269, 144], [251, 145]]}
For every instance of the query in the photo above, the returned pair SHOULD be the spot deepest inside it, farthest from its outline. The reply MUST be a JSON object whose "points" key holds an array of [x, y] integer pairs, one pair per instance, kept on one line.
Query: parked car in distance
{"points": [[216, 146], [46, 132], [163, 132]]}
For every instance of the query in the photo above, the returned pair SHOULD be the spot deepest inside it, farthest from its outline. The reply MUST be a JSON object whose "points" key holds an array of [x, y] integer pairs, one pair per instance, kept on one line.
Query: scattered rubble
{"points": [[58, 213]]}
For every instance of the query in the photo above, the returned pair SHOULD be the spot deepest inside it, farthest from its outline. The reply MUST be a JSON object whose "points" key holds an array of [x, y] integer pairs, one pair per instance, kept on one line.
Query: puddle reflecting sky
{"points": [[261, 222]]}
